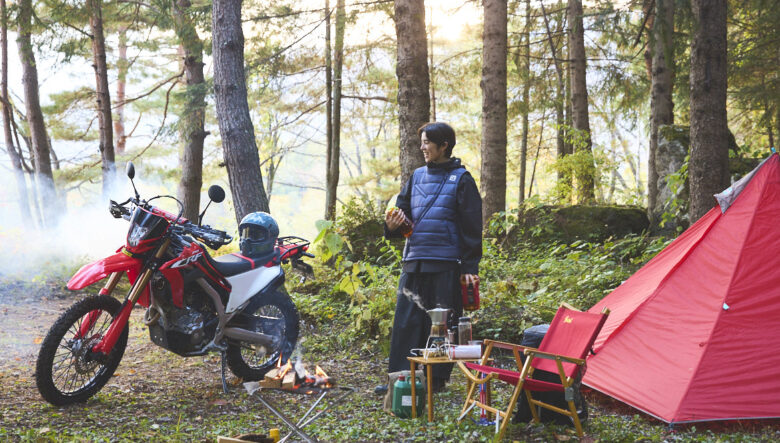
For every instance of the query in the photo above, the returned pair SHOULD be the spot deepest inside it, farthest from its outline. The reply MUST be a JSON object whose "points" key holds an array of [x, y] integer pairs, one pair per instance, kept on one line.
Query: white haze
{"points": [[86, 231]]}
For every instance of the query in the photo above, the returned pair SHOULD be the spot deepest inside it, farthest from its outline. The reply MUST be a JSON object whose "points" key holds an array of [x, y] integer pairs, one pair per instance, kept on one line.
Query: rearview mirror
{"points": [[130, 170], [216, 193]]}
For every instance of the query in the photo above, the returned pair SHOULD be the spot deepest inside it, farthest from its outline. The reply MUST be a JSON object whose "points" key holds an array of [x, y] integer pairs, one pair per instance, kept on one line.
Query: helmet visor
{"points": [[254, 233]]}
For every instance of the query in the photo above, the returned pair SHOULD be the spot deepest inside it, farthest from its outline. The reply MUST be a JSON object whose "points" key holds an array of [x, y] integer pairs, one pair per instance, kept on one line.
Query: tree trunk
{"points": [[16, 161], [708, 166], [103, 95], [494, 52], [431, 66], [333, 167], [648, 11], [559, 93], [526, 76], [328, 109], [192, 128], [47, 196], [238, 141], [121, 82], [579, 101], [414, 101], [661, 104]]}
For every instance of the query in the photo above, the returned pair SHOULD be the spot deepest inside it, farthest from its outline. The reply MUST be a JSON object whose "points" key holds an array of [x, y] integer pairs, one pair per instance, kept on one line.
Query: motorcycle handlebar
{"points": [[213, 238], [118, 210]]}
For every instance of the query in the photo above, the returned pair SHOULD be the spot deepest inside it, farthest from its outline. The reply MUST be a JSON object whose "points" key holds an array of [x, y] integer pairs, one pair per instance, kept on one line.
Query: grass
{"points": [[158, 396]]}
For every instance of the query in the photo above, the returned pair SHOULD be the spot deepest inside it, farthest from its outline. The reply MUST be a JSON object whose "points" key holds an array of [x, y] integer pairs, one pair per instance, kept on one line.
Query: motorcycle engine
{"points": [[186, 330]]}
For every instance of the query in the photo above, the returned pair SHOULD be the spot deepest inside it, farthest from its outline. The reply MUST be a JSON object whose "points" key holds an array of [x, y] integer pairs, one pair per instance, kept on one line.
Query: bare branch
{"points": [[162, 125], [158, 86], [364, 99]]}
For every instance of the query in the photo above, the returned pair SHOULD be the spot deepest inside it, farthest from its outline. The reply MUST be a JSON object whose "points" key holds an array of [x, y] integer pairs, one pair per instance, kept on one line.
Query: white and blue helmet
{"points": [[258, 232]]}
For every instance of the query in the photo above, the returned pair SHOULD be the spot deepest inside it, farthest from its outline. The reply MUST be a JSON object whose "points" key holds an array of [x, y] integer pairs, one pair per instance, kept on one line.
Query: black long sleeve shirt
{"points": [[469, 221]]}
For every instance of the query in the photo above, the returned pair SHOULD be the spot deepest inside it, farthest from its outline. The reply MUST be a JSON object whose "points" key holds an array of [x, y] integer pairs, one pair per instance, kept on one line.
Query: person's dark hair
{"points": [[439, 132]]}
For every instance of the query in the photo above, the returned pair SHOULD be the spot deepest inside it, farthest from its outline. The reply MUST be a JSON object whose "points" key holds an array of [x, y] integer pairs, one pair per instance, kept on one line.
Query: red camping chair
{"points": [[562, 351]]}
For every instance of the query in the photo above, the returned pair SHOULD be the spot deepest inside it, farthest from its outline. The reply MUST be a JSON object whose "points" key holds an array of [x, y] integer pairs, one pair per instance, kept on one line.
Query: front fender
{"points": [[96, 271]]}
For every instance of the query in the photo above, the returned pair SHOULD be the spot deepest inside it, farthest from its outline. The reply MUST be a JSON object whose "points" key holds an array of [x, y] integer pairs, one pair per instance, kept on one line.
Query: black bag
{"points": [[532, 338]]}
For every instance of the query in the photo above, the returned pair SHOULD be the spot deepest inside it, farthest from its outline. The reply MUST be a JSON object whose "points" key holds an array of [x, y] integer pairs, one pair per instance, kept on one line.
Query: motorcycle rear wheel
{"points": [[275, 314], [66, 371]]}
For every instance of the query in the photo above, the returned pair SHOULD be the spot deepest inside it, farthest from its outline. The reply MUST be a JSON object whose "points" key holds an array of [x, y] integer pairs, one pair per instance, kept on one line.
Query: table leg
{"points": [[413, 366], [429, 380]]}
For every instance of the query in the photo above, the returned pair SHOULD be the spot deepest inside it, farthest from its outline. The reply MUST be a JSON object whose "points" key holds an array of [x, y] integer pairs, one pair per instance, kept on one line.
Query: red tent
{"points": [[692, 335]]}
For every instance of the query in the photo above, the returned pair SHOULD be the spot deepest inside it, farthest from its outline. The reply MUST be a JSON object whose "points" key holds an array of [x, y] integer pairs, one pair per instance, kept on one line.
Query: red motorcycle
{"points": [[235, 304]]}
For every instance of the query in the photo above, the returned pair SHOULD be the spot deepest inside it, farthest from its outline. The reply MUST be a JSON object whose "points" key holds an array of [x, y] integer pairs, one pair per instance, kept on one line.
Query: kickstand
{"points": [[224, 382]]}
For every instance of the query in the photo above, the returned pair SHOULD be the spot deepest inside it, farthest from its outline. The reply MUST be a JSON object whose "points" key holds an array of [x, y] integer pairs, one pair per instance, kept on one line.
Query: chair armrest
{"points": [[473, 379], [546, 355], [506, 345]]}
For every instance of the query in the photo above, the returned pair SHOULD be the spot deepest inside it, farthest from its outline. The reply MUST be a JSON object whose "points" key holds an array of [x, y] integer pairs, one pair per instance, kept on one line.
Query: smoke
{"points": [[83, 231], [414, 298]]}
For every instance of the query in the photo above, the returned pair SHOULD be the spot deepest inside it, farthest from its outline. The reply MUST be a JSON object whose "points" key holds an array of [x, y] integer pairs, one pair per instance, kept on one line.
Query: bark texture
{"points": [[192, 124], [103, 94], [121, 83], [560, 91], [579, 100], [39, 140], [328, 105], [526, 75], [708, 167], [16, 160], [413, 81], [493, 83], [238, 141], [334, 156], [661, 104]]}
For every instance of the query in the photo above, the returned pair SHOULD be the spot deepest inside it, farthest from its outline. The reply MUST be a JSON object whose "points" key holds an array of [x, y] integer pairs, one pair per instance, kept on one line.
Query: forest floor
{"points": [[156, 395]]}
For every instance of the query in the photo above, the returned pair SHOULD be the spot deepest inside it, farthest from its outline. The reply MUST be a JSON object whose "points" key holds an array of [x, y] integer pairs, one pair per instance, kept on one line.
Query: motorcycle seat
{"points": [[233, 264]]}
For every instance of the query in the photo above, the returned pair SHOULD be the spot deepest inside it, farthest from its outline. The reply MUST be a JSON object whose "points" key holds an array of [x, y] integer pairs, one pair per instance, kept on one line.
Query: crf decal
{"points": [[186, 261]]}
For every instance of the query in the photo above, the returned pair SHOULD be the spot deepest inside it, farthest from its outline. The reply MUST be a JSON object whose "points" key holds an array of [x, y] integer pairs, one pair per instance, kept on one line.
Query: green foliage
{"points": [[369, 287], [578, 165], [526, 287], [677, 204], [360, 221]]}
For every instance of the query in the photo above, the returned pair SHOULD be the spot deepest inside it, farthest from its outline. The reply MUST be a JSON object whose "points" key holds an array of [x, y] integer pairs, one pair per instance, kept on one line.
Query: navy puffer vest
{"points": [[435, 235]]}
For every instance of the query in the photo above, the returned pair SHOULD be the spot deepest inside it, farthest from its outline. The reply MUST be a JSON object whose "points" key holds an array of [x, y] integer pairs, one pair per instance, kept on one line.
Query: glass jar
{"points": [[464, 330]]}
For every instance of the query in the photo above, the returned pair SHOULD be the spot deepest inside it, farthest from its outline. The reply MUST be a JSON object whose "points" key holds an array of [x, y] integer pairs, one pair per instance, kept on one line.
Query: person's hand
{"points": [[394, 219], [467, 279]]}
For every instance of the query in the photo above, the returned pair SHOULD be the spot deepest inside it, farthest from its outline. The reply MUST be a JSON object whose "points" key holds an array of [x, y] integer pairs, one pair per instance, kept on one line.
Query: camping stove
{"points": [[438, 341]]}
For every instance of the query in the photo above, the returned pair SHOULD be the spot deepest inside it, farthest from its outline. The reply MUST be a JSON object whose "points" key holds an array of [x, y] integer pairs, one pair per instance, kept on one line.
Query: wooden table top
{"points": [[437, 360]]}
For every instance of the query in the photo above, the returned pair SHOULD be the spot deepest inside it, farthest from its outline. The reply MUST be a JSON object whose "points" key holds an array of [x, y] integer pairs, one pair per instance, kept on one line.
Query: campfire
{"points": [[297, 378]]}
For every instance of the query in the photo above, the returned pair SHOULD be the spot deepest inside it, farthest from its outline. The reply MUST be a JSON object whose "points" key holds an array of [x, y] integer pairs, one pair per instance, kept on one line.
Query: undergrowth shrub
{"points": [[520, 286]]}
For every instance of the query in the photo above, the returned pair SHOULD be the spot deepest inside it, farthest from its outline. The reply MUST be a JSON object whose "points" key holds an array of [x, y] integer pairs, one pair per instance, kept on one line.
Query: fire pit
{"points": [[297, 380]]}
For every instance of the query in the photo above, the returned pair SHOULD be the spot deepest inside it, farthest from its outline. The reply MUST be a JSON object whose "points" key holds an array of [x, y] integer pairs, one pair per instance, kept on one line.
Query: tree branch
{"points": [[162, 125], [365, 99], [151, 91]]}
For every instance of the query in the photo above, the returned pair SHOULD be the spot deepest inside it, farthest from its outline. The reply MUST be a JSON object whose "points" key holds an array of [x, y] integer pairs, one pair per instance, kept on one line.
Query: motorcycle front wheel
{"points": [[274, 314], [67, 371]]}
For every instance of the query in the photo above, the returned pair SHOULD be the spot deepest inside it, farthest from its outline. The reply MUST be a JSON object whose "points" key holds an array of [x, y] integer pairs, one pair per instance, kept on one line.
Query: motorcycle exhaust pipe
{"points": [[251, 337]]}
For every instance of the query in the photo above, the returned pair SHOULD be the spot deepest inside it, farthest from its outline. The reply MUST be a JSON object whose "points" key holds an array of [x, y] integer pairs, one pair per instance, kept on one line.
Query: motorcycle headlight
{"points": [[137, 233]]}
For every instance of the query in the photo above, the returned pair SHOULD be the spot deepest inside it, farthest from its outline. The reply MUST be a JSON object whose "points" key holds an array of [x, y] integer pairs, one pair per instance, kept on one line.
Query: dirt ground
{"points": [[153, 391], [156, 395]]}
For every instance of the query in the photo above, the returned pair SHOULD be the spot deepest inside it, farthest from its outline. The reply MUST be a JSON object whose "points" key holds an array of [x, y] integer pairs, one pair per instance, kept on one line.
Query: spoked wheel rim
{"points": [[268, 319], [74, 366]]}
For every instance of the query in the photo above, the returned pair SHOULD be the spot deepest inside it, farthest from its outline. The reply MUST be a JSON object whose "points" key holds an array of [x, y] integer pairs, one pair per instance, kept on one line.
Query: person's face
{"points": [[431, 151]]}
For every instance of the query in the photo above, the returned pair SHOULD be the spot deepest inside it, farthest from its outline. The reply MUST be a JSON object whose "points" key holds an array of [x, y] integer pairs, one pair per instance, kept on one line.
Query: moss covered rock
{"points": [[570, 223]]}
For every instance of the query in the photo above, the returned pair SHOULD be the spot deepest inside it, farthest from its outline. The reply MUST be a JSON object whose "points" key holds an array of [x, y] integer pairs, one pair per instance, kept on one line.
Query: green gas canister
{"points": [[402, 397]]}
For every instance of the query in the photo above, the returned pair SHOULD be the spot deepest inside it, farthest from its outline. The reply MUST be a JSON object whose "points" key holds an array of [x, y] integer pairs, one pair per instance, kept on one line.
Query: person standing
{"points": [[443, 204]]}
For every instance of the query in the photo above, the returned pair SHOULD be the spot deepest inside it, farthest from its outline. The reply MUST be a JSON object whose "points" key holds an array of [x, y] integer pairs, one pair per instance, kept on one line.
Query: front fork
{"points": [[92, 317], [120, 321]]}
